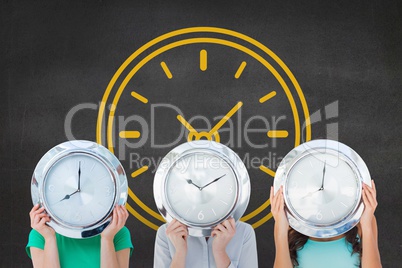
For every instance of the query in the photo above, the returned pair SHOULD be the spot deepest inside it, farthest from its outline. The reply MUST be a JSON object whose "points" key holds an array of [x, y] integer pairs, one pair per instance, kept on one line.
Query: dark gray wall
{"points": [[58, 54]]}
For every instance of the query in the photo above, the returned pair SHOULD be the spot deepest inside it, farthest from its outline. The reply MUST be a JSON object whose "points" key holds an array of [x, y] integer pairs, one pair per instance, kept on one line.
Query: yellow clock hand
{"points": [[186, 124], [226, 118], [194, 135]]}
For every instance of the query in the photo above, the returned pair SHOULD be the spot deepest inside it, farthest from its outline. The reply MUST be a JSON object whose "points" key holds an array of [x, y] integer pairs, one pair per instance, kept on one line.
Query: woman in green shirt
{"points": [[112, 248], [356, 248]]}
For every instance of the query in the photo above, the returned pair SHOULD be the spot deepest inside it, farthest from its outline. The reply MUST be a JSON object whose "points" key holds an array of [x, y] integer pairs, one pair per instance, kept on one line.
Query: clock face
{"points": [[322, 188], [322, 182], [201, 188], [79, 190], [202, 83]]}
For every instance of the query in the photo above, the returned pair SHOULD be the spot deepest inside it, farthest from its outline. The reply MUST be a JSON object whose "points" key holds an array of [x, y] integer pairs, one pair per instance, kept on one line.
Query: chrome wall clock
{"points": [[201, 183], [322, 182], [79, 183]]}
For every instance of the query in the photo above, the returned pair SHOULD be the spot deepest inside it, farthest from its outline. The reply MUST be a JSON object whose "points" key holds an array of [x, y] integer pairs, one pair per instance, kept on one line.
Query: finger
{"points": [[373, 189], [179, 229], [34, 209], [278, 199], [281, 203], [174, 224], [38, 211], [274, 201], [114, 220], [365, 200], [229, 227], [220, 228], [232, 223], [370, 196], [373, 185], [122, 218], [271, 193], [126, 214]]}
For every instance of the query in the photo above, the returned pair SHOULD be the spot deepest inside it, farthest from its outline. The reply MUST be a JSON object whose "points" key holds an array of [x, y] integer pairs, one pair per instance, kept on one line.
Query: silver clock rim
{"points": [[211, 147], [92, 149], [352, 159]]}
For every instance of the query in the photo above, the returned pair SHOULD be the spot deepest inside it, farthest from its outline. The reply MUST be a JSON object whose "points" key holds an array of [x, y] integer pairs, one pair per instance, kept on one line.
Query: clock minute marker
{"points": [[223, 202], [129, 134], [92, 168], [166, 70], [203, 60], [139, 97], [139, 171], [278, 134], [267, 97], [213, 211], [240, 70]]}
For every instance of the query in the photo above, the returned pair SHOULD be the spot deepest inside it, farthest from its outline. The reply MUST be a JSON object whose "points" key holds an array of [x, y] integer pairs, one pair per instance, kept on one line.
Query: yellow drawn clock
{"points": [[202, 83]]}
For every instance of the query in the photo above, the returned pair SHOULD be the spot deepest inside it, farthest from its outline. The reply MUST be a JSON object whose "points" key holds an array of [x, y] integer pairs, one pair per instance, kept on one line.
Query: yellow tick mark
{"points": [[203, 60], [278, 134], [139, 97], [268, 96], [267, 170], [129, 134], [240, 70], [139, 171], [166, 70]]}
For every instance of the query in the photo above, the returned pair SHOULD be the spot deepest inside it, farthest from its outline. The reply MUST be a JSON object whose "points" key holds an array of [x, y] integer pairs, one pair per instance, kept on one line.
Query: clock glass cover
{"points": [[201, 183], [79, 183], [322, 181], [202, 188]]}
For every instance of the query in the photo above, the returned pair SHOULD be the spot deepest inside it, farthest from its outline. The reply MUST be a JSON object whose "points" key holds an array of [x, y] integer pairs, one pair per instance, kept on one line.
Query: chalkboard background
{"points": [[56, 55]]}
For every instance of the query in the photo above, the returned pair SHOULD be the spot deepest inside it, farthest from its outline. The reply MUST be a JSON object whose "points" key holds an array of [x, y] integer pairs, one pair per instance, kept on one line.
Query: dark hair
{"points": [[297, 241]]}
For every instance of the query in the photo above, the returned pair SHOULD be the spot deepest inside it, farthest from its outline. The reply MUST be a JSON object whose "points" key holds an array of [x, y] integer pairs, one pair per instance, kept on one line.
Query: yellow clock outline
{"points": [[138, 66]]}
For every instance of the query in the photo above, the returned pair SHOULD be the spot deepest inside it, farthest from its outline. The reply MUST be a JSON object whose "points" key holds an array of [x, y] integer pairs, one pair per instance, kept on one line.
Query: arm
{"points": [[177, 234], [49, 256], [282, 255], [109, 256], [368, 227]]}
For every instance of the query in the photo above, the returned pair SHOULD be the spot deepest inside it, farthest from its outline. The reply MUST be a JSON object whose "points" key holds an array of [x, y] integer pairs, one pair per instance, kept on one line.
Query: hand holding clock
{"points": [[119, 218], [39, 218], [222, 234], [278, 211], [177, 234], [369, 195]]}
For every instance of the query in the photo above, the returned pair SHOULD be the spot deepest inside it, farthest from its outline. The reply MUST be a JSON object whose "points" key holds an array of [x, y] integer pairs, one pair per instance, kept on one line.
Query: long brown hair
{"points": [[297, 241]]}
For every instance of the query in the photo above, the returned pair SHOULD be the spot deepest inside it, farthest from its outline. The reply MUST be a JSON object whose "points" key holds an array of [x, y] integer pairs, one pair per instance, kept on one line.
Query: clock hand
{"points": [[191, 182], [323, 177], [226, 118], [217, 179], [186, 124], [68, 196], [79, 176], [310, 194]]}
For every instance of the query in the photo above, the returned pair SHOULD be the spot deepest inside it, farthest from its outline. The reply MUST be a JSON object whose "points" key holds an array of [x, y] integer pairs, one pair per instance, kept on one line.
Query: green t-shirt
{"points": [[80, 252]]}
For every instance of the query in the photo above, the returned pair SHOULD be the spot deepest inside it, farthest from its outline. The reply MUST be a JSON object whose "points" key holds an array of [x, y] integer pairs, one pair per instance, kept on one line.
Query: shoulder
{"points": [[245, 230], [161, 233], [244, 227]]}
